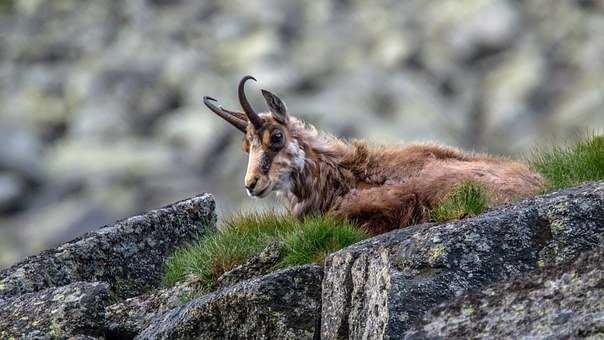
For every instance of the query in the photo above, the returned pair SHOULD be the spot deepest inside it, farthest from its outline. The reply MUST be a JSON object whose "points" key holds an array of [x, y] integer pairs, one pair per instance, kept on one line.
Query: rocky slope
{"points": [[100, 112], [564, 302], [384, 286], [64, 291], [529, 269]]}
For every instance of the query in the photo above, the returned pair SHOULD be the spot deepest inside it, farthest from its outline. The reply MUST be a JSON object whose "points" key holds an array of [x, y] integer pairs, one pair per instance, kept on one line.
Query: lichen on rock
{"points": [[129, 255], [560, 302], [128, 318], [381, 287], [74, 309], [282, 305], [260, 264]]}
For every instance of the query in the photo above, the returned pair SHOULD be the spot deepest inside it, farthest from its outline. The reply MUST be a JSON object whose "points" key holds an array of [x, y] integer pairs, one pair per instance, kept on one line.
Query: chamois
{"points": [[379, 187]]}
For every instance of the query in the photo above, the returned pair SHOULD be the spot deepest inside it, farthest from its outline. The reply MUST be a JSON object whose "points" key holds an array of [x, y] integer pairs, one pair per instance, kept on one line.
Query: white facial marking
{"points": [[247, 171], [252, 162], [298, 155]]}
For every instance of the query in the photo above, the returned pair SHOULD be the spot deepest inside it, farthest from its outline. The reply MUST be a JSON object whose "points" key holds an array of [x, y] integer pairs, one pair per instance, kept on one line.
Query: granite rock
{"points": [[71, 310], [282, 305], [129, 317], [380, 288], [260, 264], [563, 302], [129, 255]]}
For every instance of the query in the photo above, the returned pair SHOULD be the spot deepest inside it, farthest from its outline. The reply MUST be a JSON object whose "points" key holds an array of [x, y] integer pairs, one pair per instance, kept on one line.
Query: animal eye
{"points": [[276, 138]]}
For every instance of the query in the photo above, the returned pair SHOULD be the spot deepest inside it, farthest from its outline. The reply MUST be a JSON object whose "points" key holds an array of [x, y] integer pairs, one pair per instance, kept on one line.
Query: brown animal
{"points": [[380, 187]]}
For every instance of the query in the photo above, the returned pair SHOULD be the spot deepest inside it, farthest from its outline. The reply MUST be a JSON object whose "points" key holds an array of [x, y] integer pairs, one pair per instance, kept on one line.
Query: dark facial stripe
{"points": [[266, 161], [270, 151]]}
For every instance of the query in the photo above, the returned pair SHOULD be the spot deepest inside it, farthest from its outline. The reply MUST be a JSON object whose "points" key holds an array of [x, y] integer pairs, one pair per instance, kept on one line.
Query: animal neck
{"points": [[322, 179]]}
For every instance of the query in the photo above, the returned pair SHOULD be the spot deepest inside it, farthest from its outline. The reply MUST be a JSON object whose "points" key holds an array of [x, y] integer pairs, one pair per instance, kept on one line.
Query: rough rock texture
{"points": [[75, 309], [565, 302], [282, 305], [129, 255], [380, 287], [258, 265], [511, 272], [128, 318]]}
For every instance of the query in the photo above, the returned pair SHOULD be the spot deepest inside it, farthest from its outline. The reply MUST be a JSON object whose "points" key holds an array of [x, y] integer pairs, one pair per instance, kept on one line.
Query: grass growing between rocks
{"points": [[565, 166], [467, 199], [243, 236], [560, 166]]}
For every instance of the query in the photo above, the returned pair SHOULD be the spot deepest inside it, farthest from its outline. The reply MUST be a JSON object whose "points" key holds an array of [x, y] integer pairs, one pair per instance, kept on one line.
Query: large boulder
{"points": [[128, 318], [382, 287], [129, 255], [559, 302], [75, 309], [282, 305]]}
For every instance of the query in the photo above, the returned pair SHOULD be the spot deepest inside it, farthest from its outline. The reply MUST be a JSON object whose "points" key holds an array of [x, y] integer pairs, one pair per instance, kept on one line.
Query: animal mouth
{"points": [[262, 192]]}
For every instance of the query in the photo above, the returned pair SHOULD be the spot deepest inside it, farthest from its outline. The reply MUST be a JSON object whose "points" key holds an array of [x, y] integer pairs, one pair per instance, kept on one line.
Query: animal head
{"points": [[274, 150]]}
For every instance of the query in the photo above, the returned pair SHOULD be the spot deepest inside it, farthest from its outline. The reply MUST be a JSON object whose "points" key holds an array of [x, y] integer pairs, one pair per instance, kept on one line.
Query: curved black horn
{"points": [[226, 115], [247, 108]]}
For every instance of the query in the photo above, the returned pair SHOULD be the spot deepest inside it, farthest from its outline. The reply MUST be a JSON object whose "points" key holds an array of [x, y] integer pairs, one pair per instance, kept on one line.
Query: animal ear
{"points": [[276, 105]]}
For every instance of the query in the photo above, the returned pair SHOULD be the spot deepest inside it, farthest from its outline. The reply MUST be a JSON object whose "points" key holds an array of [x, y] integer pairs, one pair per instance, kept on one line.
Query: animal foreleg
{"points": [[381, 209]]}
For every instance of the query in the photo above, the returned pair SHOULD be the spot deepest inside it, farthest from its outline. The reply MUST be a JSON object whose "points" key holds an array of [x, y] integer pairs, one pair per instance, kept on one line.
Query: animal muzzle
{"points": [[257, 186]]}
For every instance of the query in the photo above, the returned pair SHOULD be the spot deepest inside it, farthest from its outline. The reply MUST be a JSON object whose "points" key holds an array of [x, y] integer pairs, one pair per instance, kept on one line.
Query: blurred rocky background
{"points": [[100, 101]]}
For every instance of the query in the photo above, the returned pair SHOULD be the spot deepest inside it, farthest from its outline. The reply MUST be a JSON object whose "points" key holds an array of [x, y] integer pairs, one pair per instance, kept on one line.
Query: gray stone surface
{"points": [[282, 305], [511, 272], [381, 287], [129, 255], [75, 309], [260, 264], [564, 302], [129, 317]]}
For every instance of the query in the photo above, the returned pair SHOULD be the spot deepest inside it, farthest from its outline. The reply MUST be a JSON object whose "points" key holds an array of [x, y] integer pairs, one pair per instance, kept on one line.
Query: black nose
{"points": [[252, 184]]}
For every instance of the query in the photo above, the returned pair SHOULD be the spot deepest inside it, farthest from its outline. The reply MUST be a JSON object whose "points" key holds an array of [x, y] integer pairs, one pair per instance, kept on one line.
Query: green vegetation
{"points": [[560, 166], [467, 199], [567, 166], [243, 236]]}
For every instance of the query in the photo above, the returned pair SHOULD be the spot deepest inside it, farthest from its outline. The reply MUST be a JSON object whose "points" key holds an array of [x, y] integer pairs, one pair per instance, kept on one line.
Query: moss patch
{"points": [[467, 199], [242, 236]]}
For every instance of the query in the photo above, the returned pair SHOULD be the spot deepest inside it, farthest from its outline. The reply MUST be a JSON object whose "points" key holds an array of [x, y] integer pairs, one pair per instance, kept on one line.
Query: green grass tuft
{"points": [[243, 236], [560, 166], [567, 166], [467, 199], [316, 238]]}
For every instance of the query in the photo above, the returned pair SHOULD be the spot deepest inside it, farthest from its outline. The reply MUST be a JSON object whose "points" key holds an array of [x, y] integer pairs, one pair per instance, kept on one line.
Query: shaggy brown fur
{"points": [[380, 187]]}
